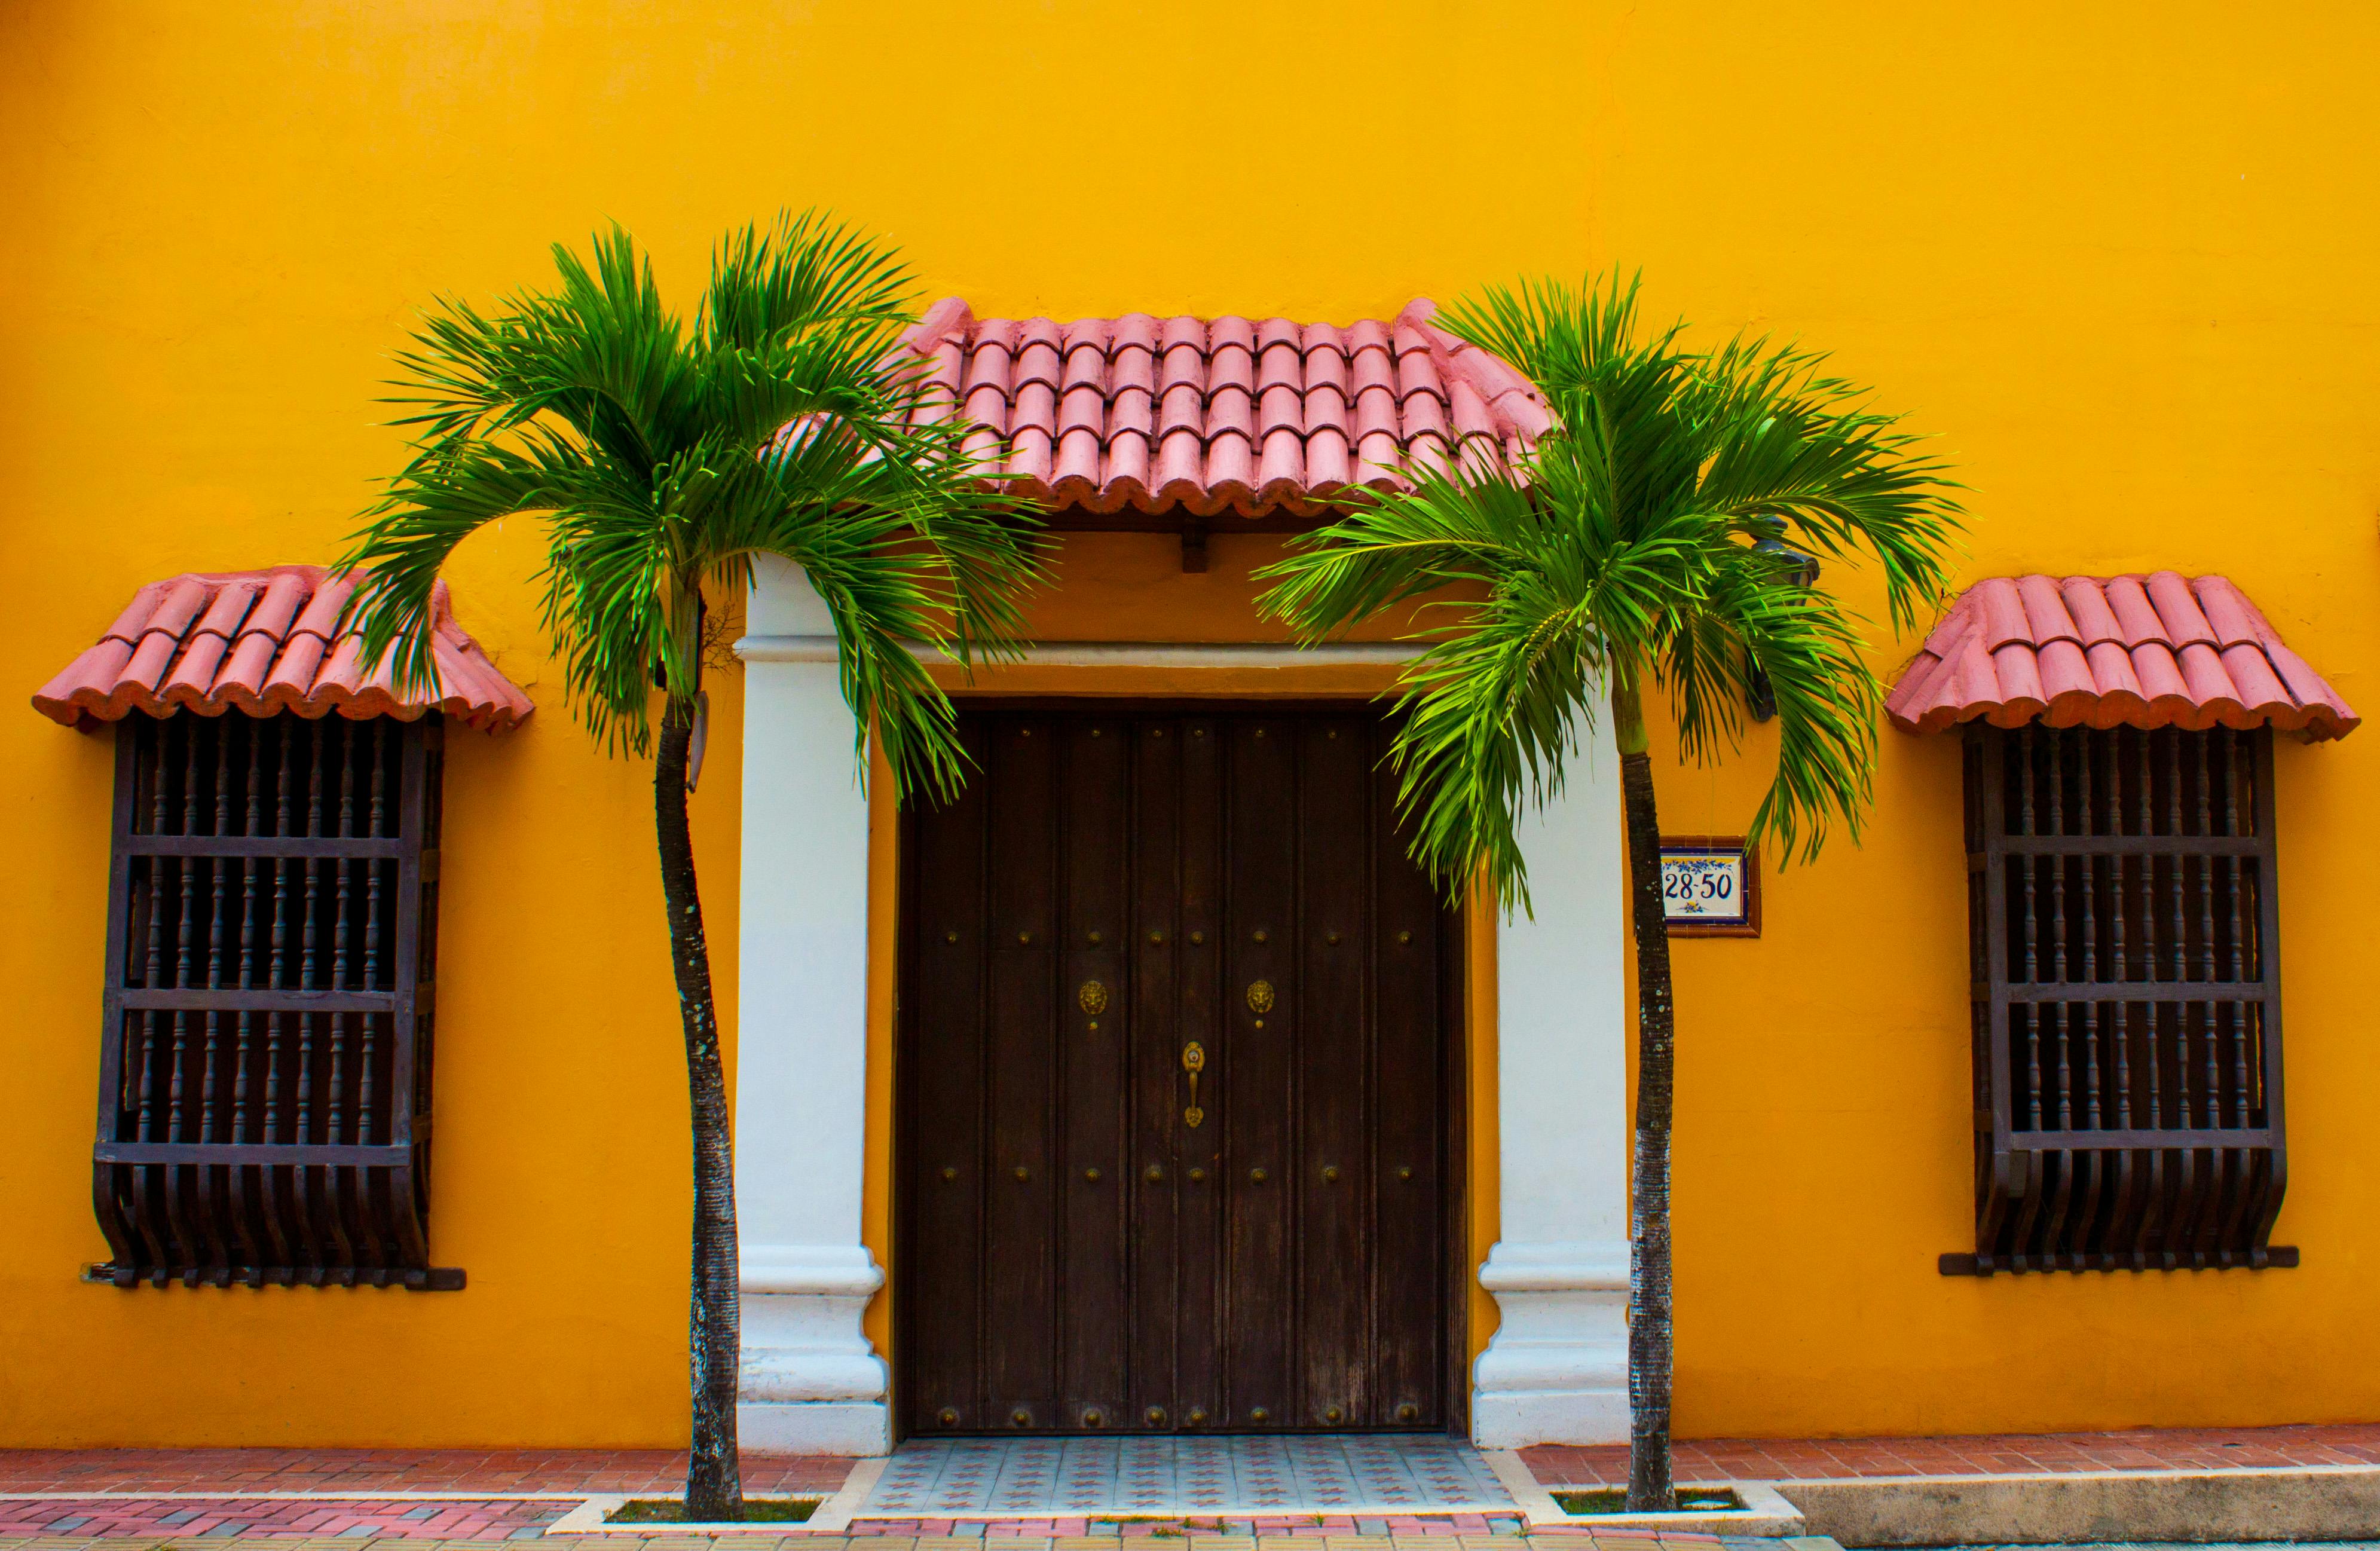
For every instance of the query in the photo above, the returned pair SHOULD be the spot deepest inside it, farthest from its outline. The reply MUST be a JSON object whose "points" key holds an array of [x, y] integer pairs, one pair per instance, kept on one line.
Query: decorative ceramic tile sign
{"points": [[1710, 886]]}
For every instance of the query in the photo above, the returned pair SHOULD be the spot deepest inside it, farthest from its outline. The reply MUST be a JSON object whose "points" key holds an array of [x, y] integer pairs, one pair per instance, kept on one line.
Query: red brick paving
{"points": [[2162, 1449], [496, 1472], [486, 1518], [491, 1490]]}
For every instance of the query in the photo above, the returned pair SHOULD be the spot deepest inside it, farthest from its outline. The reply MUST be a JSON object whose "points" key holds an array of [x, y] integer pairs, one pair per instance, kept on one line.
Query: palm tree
{"points": [[1659, 538], [664, 459]]}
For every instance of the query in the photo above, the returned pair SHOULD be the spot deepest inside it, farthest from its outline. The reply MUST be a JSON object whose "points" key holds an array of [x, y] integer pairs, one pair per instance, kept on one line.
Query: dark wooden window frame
{"points": [[1454, 1010], [2124, 941], [248, 1022]]}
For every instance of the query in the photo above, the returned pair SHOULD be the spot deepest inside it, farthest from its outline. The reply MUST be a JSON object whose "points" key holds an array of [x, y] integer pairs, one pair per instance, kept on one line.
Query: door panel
{"points": [[1250, 1068], [1019, 1314], [1412, 1136], [945, 1176], [1154, 1222], [1091, 1018], [1332, 1080], [1089, 1240], [1194, 1158]]}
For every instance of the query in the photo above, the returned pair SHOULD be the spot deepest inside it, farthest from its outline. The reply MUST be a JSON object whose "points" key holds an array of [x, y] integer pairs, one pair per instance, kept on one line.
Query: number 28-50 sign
{"points": [[1710, 886]]}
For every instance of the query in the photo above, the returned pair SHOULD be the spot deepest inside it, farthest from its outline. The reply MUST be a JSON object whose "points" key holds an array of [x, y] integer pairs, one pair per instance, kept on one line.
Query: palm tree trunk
{"points": [[714, 1490], [1650, 1489]]}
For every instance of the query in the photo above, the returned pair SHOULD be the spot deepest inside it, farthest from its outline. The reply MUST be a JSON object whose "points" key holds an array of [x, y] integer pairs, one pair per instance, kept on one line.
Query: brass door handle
{"points": [[1194, 1060]]}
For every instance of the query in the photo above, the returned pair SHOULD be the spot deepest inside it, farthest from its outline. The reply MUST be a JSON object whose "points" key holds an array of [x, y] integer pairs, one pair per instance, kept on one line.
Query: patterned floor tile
{"points": [[1218, 1476]]}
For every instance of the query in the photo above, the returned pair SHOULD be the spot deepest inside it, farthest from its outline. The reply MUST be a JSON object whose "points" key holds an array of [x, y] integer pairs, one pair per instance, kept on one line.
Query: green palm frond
{"points": [[1623, 556], [664, 457]]}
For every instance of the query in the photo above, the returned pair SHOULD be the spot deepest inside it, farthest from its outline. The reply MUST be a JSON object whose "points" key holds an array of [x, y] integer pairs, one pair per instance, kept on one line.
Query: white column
{"points": [[1556, 1370], [810, 1382]]}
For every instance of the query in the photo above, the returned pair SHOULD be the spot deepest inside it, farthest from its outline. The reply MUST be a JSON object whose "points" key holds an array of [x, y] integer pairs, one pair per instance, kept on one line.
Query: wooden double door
{"points": [[1178, 1083]]}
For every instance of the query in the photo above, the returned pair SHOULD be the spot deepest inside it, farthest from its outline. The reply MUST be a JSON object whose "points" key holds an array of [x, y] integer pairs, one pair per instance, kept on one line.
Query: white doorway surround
{"points": [[1556, 1370], [810, 1381]]}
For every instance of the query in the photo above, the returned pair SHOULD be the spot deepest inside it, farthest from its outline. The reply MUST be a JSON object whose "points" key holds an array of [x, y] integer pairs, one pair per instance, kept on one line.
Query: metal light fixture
{"points": [[1802, 570]]}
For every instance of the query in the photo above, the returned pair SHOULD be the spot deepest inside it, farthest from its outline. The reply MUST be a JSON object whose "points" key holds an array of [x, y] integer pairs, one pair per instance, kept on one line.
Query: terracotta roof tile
{"points": [[1222, 415], [2159, 651], [266, 641]]}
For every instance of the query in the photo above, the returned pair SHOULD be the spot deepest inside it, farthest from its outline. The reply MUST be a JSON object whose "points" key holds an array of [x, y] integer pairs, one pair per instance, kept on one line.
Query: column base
{"points": [[1556, 1371], [809, 1382], [813, 1428]]}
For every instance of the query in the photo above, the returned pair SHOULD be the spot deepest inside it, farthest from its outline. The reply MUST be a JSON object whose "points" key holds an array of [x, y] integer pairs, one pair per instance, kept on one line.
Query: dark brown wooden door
{"points": [[1085, 1241]]}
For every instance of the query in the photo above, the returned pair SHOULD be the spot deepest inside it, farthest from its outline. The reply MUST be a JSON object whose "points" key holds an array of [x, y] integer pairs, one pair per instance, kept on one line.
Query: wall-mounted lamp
{"points": [[1803, 571]]}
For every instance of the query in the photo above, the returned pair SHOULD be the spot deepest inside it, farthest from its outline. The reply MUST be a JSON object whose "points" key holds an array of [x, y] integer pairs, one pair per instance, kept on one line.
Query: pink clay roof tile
{"points": [[2155, 651], [1222, 415], [266, 641]]}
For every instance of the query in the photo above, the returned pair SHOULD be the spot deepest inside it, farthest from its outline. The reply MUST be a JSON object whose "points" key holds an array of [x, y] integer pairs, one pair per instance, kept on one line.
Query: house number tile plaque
{"points": [[1710, 886]]}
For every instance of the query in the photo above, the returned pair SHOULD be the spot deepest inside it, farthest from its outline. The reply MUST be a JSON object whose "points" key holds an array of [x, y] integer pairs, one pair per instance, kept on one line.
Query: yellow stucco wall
{"points": [[2118, 257]]}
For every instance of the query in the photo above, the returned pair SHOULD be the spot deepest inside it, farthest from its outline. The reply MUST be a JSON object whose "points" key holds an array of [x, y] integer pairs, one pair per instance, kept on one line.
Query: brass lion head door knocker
{"points": [[1092, 997]]}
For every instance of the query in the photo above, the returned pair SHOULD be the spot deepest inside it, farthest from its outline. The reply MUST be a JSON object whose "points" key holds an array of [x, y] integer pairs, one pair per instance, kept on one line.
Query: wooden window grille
{"points": [[272, 907], [2126, 1020]]}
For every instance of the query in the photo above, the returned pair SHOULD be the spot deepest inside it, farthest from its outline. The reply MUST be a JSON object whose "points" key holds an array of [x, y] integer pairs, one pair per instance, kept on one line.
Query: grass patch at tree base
{"points": [[1614, 1499], [671, 1511]]}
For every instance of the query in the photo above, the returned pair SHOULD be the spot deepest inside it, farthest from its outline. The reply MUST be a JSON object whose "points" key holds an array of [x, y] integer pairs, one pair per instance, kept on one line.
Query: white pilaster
{"points": [[810, 1382], [1556, 1370]]}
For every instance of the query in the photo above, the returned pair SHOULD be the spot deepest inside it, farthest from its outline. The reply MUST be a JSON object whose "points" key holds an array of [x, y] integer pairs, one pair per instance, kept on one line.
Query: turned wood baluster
{"points": [[210, 1058], [306, 946], [2223, 1175], [209, 1061], [2156, 1063], [243, 1057], [2058, 927], [371, 929], [317, 736], [2206, 938], [2191, 1192], [240, 1083], [145, 1217], [154, 976], [2118, 907], [2239, 1011], [276, 966], [368, 1181], [2151, 1015], [333, 1107], [2090, 946], [2091, 1166], [2032, 932], [187, 895], [335, 1178], [2183, 1111], [2125, 1219], [186, 1239]]}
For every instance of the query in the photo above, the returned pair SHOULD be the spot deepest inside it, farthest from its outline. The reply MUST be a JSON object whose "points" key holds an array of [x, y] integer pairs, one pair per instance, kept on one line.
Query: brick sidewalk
{"points": [[116, 1518], [290, 1499], [1307, 1540], [496, 1472], [2162, 1449]]}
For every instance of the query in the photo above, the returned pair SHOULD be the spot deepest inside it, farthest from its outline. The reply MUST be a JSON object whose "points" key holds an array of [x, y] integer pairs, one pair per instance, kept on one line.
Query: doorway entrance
{"points": [[1177, 1133]]}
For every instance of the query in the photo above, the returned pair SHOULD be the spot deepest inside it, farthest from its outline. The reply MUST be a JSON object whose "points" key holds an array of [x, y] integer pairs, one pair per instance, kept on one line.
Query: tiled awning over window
{"points": [[267, 641], [2157, 650], [1220, 414]]}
